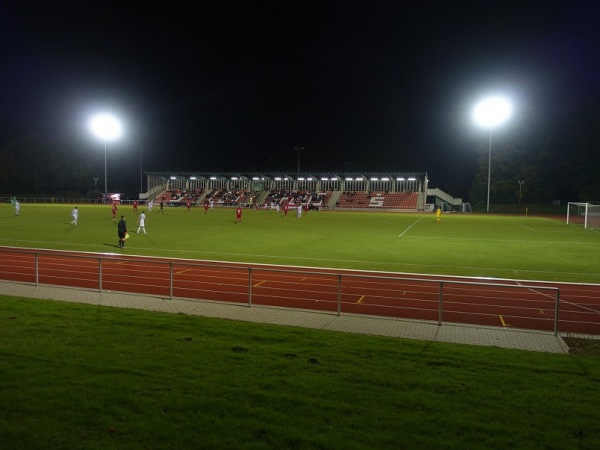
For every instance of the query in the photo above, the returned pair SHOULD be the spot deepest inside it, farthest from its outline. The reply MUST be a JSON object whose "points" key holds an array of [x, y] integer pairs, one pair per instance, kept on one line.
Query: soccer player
{"points": [[438, 215], [205, 207], [17, 207], [74, 216], [142, 223], [135, 205], [122, 231], [114, 210], [150, 205], [285, 210], [188, 205], [238, 215]]}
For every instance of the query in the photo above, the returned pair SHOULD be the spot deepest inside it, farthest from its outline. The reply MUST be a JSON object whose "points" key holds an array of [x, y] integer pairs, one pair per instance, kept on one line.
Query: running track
{"points": [[501, 303]]}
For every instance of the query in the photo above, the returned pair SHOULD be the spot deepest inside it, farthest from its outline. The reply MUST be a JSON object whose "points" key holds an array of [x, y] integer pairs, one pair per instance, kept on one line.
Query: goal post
{"points": [[586, 215]]}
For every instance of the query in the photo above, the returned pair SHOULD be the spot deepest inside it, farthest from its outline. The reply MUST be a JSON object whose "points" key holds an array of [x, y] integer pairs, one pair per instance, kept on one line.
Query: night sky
{"points": [[236, 86]]}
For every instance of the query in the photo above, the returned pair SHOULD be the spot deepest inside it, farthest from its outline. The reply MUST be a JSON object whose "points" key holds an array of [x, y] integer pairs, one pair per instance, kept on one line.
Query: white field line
{"points": [[521, 225], [93, 247], [412, 225]]}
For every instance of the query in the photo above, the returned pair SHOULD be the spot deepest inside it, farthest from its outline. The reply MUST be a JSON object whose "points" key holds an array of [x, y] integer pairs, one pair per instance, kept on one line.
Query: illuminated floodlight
{"points": [[193, 178], [309, 179], [300, 178], [213, 178], [489, 113], [385, 179], [374, 178], [334, 179], [349, 179], [255, 178], [359, 179], [400, 179], [234, 178], [492, 111], [107, 128], [412, 179], [324, 179], [173, 178], [277, 178]]}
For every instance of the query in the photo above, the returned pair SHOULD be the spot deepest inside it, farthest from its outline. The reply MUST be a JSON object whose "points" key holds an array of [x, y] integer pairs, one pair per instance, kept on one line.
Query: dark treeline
{"points": [[48, 165], [558, 163]]}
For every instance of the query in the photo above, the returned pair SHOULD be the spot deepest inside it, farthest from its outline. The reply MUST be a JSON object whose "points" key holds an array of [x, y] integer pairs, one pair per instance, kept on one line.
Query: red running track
{"points": [[502, 303]]}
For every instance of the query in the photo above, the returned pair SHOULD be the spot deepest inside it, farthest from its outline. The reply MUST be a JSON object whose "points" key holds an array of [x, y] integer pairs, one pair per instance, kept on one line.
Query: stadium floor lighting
{"points": [[491, 112], [107, 128]]}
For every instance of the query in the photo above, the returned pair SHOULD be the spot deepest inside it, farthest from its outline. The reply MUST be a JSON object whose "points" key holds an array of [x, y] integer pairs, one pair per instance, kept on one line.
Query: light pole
{"points": [[491, 112], [521, 183], [107, 128]]}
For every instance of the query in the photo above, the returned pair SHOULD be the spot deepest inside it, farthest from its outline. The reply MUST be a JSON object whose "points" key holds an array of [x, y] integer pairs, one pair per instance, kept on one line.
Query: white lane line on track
{"points": [[562, 300]]}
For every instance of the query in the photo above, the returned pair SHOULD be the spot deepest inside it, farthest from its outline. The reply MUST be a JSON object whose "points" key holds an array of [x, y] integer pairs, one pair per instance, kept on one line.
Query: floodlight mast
{"points": [[490, 112], [107, 128]]}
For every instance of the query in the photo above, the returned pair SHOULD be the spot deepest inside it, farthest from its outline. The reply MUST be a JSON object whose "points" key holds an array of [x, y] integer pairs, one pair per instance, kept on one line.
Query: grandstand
{"points": [[389, 191]]}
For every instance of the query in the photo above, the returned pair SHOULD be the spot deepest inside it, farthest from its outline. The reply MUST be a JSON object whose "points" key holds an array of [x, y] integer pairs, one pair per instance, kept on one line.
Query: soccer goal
{"points": [[586, 215]]}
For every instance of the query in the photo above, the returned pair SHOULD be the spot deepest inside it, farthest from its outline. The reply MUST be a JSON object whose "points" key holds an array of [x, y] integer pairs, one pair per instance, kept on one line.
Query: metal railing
{"points": [[431, 299]]}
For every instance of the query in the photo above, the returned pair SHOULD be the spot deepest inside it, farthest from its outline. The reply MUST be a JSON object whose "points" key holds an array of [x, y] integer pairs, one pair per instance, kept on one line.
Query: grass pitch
{"points": [[495, 246]]}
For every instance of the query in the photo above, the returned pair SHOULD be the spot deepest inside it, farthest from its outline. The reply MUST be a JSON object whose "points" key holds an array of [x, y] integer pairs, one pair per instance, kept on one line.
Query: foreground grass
{"points": [[80, 376], [518, 246]]}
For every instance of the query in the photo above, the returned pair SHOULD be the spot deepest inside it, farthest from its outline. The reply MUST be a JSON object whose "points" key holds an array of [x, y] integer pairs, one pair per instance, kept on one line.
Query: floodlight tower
{"points": [[491, 112], [107, 128]]}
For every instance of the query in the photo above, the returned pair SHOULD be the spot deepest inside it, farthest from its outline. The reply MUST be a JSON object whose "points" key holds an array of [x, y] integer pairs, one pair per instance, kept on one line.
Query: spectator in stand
{"points": [[122, 231], [238, 215], [135, 205], [75, 216], [114, 210]]}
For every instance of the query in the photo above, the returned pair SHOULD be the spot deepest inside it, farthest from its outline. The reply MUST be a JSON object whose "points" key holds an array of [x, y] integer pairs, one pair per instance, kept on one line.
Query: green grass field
{"points": [[498, 246], [82, 376]]}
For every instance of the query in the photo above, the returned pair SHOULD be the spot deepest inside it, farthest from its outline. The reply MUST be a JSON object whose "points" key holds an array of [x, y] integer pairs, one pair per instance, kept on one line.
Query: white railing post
{"points": [[170, 280], [339, 295], [249, 287], [37, 270], [440, 307], [556, 307]]}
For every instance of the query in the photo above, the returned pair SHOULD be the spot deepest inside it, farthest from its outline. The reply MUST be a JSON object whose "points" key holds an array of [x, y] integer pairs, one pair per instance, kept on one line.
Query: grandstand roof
{"points": [[321, 175]]}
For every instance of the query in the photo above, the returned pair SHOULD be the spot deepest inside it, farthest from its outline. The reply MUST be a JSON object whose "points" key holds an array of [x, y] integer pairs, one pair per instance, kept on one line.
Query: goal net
{"points": [[586, 215]]}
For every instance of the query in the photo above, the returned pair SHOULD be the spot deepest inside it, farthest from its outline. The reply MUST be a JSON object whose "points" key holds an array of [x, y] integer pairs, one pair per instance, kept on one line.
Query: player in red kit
{"points": [[114, 210], [285, 210], [238, 215]]}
